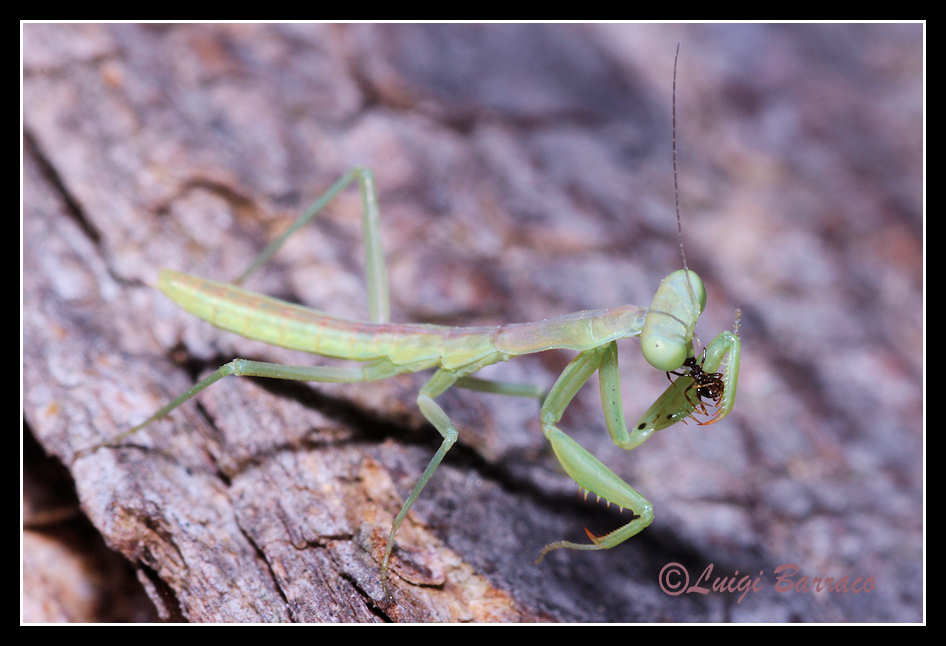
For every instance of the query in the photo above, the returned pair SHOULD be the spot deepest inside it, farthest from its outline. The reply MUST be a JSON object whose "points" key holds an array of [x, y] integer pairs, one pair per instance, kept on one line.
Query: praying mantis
{"points": [[382, 349]]}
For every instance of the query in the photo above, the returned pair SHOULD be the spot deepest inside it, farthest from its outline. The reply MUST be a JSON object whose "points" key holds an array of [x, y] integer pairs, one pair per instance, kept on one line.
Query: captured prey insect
{"points": [[386, 349]]}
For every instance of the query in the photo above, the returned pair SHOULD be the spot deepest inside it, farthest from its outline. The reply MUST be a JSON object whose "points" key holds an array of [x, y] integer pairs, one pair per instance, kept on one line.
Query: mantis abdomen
{"points": [[263, 318]]}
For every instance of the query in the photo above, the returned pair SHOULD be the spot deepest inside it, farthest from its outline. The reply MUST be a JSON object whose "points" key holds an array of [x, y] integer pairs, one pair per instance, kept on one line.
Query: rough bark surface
{"points": [[523, 172]]}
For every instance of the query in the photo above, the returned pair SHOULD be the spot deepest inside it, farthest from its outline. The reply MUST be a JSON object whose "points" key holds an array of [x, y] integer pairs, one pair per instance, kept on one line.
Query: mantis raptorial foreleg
{"points": [[583, 467], [679, 400], [609, 380], [677, 403]]}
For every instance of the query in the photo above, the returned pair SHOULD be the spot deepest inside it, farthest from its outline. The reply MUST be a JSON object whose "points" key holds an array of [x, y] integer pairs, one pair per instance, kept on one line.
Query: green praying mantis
{"points": [[383, 349]]}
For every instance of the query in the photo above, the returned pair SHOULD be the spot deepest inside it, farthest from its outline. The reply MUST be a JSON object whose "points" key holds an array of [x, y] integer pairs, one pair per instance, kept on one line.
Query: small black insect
{"points": [[709, 385]]}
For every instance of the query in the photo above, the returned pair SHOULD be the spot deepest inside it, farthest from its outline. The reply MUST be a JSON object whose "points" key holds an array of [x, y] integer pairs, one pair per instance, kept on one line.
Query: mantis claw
{"points": [[594, 539]]}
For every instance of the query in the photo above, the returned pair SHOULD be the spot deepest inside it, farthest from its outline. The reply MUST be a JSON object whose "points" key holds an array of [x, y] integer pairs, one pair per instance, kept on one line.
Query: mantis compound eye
{"points": [[668, 328]]}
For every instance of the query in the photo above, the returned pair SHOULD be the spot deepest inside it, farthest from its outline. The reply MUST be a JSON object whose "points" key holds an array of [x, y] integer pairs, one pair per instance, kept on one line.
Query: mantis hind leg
{"points": [[376, 274]]}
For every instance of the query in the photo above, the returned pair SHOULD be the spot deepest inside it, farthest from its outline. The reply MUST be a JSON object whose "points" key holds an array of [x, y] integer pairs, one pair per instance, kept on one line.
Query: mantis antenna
{"points": [[676, 188]]}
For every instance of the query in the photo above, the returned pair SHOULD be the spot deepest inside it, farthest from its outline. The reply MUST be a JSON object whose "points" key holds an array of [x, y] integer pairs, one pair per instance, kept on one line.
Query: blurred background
{"points": [[524, 171]]}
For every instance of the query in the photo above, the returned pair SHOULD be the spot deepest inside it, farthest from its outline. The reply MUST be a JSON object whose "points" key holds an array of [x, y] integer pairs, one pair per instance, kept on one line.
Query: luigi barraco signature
{"points": [[674, 579]]}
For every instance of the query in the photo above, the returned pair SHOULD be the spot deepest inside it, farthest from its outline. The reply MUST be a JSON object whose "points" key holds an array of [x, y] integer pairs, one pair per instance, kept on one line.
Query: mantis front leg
{"points": [[584, 468], [676, 403]]}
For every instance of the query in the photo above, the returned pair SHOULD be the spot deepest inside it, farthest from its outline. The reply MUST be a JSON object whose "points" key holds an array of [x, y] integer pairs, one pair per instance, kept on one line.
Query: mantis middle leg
{"points": [[496, 387], [433, 413]]}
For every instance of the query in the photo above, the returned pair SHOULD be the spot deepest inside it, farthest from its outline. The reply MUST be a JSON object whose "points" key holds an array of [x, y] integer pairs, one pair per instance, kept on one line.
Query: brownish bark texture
{"points": [[523, 172]]}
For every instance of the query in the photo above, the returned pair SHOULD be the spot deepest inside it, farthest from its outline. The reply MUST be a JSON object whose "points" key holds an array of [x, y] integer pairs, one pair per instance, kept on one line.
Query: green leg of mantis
{"points": [[376, 370], [438, 384], [441, 380], [376, 274], [379, 308], [584, 468], [373, 371], [500, 387], [378, 305]]}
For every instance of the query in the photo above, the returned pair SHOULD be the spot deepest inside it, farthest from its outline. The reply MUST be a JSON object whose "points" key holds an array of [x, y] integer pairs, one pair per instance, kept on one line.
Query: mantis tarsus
{"points": [[386, 349]]}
